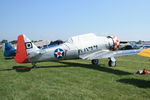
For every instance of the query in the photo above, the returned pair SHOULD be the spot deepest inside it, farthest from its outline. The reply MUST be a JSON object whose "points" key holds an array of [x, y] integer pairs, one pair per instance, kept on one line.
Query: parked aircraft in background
{"points": [[86, 46], [8, 50], [145, 52]]}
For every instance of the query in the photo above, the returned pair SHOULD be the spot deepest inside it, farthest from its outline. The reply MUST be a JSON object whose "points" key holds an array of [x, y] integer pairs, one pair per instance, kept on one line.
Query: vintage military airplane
{"points": [[8, 50], [86, 46]]}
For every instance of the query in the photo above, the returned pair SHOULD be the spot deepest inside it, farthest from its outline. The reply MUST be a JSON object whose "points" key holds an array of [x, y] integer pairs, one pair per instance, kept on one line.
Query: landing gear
{"points": [[34, 65], [95, 61], [112, 62]]}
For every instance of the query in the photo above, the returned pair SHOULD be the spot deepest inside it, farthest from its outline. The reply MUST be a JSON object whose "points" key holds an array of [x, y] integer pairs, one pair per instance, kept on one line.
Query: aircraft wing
{"points": [[145, 53], [108, 54]]}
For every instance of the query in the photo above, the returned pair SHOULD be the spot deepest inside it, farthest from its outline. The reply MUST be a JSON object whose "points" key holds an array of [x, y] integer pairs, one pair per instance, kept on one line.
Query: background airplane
{"points": [[8, 50], [145, 52], [86, 46]]}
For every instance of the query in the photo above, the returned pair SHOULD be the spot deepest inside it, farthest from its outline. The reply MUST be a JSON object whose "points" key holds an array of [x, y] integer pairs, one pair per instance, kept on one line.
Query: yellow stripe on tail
{"points": [[145, 52]]}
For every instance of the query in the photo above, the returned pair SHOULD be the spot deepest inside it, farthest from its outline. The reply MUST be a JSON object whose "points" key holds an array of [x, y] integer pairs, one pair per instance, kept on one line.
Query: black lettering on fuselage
{"points": [[88, 49]]}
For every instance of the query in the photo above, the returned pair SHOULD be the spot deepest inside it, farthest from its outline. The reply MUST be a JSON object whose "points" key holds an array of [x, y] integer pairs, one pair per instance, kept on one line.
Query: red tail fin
{"points": [[21, 54]]}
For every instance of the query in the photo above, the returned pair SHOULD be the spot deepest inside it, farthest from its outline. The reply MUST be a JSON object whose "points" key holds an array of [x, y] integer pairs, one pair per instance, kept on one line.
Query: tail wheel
{"points": [[112, 63], [95, 61], [34, 65]]}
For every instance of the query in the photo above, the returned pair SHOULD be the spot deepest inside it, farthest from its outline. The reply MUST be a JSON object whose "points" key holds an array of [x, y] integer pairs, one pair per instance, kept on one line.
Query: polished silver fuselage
{"points": [[73, 48]]}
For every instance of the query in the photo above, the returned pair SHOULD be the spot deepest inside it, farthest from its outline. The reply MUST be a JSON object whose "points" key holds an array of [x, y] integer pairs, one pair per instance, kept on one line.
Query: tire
{"points": [[112, 63], [95, 61]]}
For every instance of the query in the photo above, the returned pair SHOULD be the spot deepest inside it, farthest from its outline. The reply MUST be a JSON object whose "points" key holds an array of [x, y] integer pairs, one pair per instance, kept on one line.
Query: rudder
{"points": [[21, 54]]}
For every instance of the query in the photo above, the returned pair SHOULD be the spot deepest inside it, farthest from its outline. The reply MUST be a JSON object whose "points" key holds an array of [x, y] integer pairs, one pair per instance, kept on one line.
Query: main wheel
{"points": [[95, 61], [112, 63]]}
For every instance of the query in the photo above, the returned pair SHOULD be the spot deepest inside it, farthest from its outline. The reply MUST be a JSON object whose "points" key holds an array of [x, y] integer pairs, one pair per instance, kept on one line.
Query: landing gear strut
{"points": [[112, 62], [95, 61], [34, 65]]}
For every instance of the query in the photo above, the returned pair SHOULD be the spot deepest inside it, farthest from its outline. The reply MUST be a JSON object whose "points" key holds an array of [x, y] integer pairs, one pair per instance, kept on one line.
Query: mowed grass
{"points": [[75, 80]]}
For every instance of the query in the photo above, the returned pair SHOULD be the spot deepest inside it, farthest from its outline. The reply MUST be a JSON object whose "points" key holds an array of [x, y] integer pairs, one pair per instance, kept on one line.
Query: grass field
{"points": [[75, 80]]}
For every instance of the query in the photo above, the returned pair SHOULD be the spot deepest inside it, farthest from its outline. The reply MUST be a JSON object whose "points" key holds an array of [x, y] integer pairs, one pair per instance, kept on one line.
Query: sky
{"points": [[61, 19]]}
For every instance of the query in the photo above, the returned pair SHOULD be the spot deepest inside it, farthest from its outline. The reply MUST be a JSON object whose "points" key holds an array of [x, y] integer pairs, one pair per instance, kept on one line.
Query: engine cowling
{"points": [[115, 42]]}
